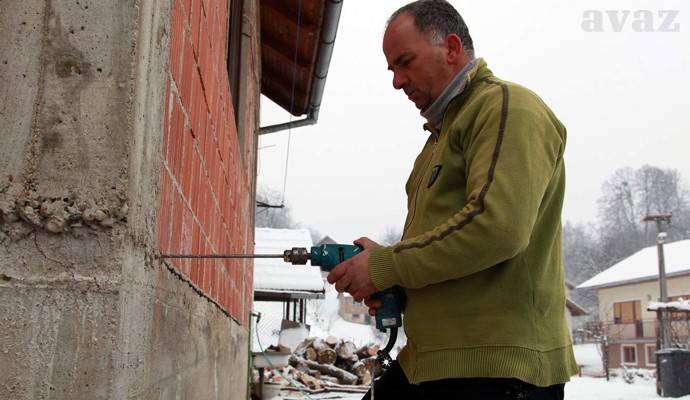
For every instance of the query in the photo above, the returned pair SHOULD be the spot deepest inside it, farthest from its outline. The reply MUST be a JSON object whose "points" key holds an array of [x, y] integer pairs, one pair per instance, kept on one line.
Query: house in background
{"points": [[625, 290], [353, 311], [573, 309]]}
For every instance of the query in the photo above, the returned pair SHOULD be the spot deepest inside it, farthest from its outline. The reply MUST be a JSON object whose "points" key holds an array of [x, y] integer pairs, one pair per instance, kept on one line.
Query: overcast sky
{"points": [[623, 95]]}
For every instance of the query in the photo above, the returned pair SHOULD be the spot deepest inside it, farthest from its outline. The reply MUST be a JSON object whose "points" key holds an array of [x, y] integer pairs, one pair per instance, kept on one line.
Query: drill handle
{"points": [[389, 315]]}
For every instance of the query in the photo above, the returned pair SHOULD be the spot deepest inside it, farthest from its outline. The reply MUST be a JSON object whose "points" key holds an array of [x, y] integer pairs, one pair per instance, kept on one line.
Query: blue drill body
{"points": [[327, 256]]}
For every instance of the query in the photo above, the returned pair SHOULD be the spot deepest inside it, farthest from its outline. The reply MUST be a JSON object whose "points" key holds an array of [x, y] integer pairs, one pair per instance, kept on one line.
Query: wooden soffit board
{"points": [[289, 50]]}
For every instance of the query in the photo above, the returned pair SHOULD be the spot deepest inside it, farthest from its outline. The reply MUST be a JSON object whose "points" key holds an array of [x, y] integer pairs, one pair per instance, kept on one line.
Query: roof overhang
{"points": [[635, 280], [297, 40], [575, 309], [282, 295]]}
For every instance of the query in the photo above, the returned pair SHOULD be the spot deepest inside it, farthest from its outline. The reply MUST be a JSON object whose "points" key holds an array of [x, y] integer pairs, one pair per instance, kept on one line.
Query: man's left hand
{"points": [[352, 275]]}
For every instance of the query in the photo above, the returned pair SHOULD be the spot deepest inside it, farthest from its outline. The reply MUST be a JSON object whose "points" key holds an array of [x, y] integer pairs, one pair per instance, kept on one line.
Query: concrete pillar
{"points": [[87, 310]]}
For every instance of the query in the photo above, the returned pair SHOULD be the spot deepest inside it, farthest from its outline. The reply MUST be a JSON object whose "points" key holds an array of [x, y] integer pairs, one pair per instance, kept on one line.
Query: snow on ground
{"points": [[615, 389], [324, 320], [576, 389], [588, 356]]}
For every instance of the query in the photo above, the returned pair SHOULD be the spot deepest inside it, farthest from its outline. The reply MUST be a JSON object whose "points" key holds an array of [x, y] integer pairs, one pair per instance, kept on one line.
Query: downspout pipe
{"points": [[331, 19]]}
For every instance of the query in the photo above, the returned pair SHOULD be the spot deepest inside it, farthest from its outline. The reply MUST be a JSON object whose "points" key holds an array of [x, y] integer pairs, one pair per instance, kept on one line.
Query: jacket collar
{"points": [[434, 113]]}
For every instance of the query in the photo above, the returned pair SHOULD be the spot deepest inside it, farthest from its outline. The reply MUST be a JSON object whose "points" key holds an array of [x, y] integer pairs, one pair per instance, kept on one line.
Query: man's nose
{"points": [[399, 80]]}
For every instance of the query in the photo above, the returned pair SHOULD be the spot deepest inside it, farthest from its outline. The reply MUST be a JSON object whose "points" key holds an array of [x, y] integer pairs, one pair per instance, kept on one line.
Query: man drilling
{"points": [[480, 260]]}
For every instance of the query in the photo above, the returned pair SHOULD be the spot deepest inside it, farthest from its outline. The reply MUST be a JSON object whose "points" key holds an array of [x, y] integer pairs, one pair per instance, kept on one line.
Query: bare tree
{"points": [[628, 196], [582, 253], [272, 211]]}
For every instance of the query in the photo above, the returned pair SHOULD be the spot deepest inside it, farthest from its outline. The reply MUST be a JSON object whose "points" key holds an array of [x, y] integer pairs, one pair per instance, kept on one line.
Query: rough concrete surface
{"points": [[86, 309]]}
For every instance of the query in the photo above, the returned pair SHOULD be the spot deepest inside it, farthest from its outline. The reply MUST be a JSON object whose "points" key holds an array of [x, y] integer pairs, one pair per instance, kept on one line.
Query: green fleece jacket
{"points": [[481, 257]]}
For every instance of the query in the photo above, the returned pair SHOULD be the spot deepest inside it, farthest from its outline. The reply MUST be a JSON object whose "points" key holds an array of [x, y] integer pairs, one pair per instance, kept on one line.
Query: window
{"points": [[649, 352], [627, 312], [629, 354]]}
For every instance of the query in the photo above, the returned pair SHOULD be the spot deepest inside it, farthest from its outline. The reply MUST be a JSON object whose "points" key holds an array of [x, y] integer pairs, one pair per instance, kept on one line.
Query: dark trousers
{"points": [[393, 385]]}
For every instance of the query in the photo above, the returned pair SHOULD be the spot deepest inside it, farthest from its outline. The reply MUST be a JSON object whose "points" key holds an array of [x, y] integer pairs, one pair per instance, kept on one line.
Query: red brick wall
{"points": [[206, 188]]}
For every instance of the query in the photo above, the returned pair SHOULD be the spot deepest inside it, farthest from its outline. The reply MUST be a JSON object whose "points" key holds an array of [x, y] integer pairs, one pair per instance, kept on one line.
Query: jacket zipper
{"points": [[419, 181]]}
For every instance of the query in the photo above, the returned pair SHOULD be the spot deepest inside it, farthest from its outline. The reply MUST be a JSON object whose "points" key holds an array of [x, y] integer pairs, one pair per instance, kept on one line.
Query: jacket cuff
{"points": [[381, 271]]}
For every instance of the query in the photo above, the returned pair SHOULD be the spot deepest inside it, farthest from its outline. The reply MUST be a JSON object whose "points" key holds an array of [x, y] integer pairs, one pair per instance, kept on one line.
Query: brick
{"points": [[193, 108], [208, 148], [204, 52], [196, 183], [187, 8], [176, 41], [205, 270], [176, 137], [186, 170], [196, 249], [188, 67], [203, 135], [195, 21], [187, 235], [205, 204], [163, 216], [193, 178], [175, 114], [166, 119], [205, 6], [176, 219]]}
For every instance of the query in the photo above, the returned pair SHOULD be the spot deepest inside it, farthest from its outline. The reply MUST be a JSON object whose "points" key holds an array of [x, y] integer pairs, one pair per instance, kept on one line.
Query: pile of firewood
{"points": [[318, 363]]}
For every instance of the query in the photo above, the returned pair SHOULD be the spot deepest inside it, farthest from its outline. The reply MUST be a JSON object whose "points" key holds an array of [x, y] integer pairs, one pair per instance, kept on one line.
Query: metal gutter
{"points": [[323, 61]]}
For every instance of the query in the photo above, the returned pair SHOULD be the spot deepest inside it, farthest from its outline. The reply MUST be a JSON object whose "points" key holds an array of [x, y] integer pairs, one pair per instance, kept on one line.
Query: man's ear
{"points": [[454, 48]]}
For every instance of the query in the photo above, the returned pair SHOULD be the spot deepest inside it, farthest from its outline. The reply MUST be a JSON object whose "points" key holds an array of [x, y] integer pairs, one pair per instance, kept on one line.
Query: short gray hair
{"points": [[437, 19]]}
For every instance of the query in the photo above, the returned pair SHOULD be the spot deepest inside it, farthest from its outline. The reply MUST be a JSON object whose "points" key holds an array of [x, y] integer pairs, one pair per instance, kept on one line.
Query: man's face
{"points": [[419, 67]]}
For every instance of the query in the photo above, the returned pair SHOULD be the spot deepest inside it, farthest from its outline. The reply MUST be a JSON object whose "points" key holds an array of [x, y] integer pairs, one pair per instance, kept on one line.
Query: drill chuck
{"points": [[296, 256]]}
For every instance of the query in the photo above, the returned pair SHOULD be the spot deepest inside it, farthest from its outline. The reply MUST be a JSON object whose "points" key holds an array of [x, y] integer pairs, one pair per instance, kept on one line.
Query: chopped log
{"points": [[372, 361], [342, 375], [309, 354], [363, 372], [315, 373], [366, 351], [324, 353], [331, 341], [309, 380], [366, 379], [360, 368], [298, 363], [326, 356], [319, 344], [348, 388], [330, 388], [302, 347], [330, 379], [346, 349]]}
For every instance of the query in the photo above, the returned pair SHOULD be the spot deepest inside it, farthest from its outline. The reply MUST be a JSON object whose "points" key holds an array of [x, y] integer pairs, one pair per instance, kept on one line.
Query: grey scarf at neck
{"points": [[434, 113]]}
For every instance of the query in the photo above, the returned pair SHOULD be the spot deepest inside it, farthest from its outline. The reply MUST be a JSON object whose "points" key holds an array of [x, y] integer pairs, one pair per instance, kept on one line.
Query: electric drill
{"points": [[327, 256]]}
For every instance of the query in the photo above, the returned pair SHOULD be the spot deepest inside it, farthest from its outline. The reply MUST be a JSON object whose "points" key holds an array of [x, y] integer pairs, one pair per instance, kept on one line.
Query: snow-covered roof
{"points": [[273, 277], [644, 265]]}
